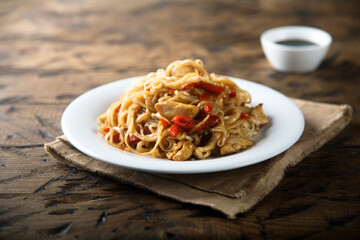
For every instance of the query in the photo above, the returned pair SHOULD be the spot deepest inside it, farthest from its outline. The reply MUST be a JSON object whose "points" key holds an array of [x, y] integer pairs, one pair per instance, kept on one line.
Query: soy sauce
{"points": [[296, 43]]}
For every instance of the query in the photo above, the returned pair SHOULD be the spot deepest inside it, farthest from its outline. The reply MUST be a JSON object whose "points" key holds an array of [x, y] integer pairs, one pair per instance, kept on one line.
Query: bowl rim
{"points": [[265, 38]]}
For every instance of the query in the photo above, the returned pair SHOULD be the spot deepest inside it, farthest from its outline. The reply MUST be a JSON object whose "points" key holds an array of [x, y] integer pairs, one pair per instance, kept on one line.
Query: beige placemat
{"points": [[230, 192]]}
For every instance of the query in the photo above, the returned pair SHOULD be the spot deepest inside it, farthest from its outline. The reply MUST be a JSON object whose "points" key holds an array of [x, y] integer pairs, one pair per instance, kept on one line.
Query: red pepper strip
{"points": [[174, 130], [205, 96], [189, 86], [211, 122], [244, 116], [164, 122], [212, 88], [184, 122], [188, 124], [232, 93], [171, 91], [133, 138], [207, 109]]}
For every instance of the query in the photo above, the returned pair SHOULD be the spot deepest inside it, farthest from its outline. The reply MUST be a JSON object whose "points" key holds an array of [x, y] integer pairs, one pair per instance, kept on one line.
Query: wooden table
{"points": [[53, 51]]}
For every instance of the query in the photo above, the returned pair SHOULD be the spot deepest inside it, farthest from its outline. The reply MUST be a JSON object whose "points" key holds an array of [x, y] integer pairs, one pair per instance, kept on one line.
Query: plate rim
{"points": [[185, 164]]}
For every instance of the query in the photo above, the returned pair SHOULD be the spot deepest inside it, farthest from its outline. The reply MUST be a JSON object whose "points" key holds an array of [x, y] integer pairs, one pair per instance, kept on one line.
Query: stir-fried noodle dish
{"points": [[181, 113]]}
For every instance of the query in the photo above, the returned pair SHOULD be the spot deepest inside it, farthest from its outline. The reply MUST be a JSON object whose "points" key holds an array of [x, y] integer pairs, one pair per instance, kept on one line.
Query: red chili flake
{"points": [[204, 138], [205, 96], [171, 91], [244, 116], [232, 93], [133, 138], [116, 137], [104, 128], [207, 109], [146, 130]]}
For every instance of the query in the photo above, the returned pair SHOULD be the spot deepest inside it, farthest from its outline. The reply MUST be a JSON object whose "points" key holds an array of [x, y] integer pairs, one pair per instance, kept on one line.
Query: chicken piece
{"points": [[170, 109], [182, 151], [181, 70], [235, 144], [258, 115]]}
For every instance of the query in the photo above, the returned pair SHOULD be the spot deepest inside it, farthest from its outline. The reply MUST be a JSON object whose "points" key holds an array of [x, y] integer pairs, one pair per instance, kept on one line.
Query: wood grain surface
{"points": [[53, 51]]}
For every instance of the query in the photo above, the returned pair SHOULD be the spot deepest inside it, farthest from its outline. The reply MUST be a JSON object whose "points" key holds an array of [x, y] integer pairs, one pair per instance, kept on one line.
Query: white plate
{"points": [[79, 126]]}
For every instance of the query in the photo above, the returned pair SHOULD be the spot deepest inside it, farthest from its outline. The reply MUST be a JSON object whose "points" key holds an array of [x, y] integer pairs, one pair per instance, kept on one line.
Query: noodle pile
{"points": [[182, 112]]}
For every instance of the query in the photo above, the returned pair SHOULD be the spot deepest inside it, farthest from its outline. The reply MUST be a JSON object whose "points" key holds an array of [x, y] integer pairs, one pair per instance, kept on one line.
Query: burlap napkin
{"points": [[230, 192]]}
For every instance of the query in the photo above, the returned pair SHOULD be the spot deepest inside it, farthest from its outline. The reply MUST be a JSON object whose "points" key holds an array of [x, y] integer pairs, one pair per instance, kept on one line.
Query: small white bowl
{"points": [[302, 59]]}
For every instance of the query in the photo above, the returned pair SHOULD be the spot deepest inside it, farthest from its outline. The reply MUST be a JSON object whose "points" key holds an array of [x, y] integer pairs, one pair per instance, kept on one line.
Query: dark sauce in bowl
{"points": [[296, 43]]}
